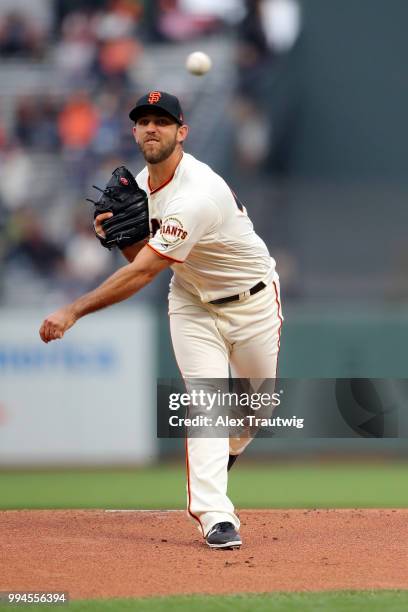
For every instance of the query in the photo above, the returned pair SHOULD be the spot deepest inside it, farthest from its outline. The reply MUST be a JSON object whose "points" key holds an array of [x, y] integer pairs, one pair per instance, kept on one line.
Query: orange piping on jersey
{"points": [[280, 326], [189, 489], [163, 255], [152, 191]]}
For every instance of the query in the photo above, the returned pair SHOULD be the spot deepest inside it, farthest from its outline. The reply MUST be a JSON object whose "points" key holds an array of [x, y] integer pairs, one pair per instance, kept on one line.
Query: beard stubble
{"points": [[155, 157]]}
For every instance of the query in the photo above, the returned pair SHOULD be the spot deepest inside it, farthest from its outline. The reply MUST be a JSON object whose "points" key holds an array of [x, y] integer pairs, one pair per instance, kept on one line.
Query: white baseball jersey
{"points": [[198, 223]]}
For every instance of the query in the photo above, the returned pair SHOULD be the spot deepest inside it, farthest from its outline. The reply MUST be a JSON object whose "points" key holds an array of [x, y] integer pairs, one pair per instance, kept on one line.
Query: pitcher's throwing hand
{"points": [[57, 323]]}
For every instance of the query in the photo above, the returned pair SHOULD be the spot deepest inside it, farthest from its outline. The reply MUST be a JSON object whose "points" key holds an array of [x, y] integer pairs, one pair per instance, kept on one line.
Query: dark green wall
{"points": [[352, 90]]}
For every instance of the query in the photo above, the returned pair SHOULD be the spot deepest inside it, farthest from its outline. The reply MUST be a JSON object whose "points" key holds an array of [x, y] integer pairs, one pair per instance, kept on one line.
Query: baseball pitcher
{"points": [[224, 300]]}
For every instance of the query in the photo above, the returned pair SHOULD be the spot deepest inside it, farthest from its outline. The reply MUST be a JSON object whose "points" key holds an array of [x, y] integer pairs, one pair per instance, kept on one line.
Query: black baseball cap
{"points": [[158, 100]]}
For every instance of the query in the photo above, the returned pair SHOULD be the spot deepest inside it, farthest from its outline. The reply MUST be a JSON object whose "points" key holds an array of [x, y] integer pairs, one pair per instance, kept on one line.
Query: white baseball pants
{"points": [[207, 338]]}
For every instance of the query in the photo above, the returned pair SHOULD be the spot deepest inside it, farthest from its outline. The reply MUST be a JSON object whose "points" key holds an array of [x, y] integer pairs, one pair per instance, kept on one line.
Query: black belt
{"points": [[234, 298]]}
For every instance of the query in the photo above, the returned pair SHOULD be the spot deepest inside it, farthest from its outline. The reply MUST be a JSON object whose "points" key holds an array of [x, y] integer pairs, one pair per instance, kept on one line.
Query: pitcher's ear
{"points": [[182, 133]]}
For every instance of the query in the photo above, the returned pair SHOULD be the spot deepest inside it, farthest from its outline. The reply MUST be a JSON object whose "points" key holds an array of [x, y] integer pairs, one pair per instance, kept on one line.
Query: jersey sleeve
{"points": [[183, 225]]}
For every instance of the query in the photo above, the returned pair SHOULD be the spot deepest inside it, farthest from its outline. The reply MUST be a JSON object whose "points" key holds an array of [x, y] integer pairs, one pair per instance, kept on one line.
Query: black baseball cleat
{"points": [[223, 535]]}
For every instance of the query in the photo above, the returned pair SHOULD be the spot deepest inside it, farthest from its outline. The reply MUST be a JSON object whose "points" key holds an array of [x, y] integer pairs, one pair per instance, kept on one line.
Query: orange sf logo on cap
{"points": [[154, 96]]}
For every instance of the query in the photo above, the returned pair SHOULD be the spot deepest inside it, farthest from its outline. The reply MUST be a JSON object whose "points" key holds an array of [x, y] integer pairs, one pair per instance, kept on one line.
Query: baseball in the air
{"points": [[198, 63]]}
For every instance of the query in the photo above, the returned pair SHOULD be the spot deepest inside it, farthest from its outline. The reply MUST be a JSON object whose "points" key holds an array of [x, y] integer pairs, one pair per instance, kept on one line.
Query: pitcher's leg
{"points": [[256, 349], [256, 359], [208, 503], [256, 337], [202, 353]]}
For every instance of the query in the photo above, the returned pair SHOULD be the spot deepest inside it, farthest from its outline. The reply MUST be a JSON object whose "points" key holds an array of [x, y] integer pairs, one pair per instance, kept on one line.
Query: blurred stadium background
{"points": [[304, 114]]}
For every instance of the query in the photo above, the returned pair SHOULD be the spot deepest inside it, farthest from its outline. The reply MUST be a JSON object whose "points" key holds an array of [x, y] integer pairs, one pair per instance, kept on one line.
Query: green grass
{"points": [[339, 601], [251, 486]]}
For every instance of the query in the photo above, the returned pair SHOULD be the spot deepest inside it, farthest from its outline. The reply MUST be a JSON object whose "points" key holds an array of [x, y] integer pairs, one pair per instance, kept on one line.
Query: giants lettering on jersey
{"points": [[172, 230]]}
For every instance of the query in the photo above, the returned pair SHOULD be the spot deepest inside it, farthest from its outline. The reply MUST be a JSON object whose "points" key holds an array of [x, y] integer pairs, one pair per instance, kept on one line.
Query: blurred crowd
{"points": [[20, 37], [56, 143]]}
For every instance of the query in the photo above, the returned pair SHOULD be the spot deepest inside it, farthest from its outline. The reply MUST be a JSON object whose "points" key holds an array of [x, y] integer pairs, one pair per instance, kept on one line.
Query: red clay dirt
{"points": [[102, 554]]}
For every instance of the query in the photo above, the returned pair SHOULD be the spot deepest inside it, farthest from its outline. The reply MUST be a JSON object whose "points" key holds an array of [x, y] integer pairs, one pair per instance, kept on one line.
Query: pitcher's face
{"points": [[157, 136]]}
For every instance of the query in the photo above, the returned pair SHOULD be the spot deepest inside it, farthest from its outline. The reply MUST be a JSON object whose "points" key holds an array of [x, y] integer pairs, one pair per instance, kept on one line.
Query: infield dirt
{"points": [[103, 554]]}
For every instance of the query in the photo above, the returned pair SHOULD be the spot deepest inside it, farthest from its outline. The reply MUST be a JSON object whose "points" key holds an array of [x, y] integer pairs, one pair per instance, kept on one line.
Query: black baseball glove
{"points": [[124, 198]]}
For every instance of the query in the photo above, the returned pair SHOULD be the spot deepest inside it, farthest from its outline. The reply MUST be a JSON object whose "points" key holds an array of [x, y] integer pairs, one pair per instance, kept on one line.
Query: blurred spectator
{"points": [[118, 20], [265, 101], [108, 136], [253, 52], [269, 29], [115, 59], [62, 8], [47, 137], [75, 52], [87, 262], [252, 137], [19, 37], [177, 20], [25, 126], [78, 125], [30, 248], [231, 11], [175, 24], [100, 42], [78, 122], [118, 48], [36, 123], [16, 177], [281, 21]]}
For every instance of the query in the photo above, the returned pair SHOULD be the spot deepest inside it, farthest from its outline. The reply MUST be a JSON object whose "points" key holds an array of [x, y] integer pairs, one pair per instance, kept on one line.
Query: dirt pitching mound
{"points": [[102, 554]]}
